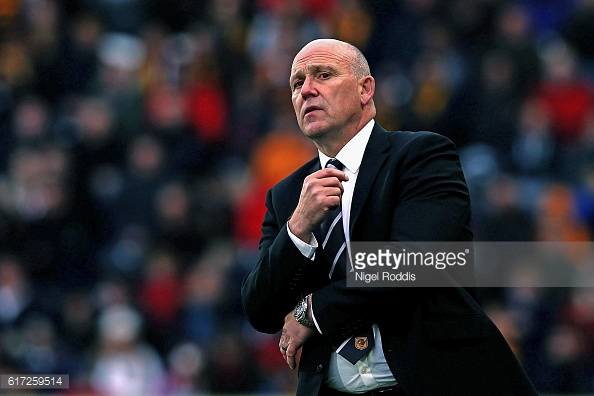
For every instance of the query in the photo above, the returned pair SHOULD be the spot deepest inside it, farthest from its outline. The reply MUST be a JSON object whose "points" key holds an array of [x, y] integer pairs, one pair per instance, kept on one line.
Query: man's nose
{"points": [[309, 87]]}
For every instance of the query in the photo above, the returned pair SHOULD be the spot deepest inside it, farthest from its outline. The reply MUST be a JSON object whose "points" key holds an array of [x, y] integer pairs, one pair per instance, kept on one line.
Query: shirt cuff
{"points": [[307, 249]]}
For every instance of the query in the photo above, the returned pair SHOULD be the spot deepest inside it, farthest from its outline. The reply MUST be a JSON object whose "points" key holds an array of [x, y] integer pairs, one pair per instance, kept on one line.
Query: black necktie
{"points": [[334, 243], [335, 251]]}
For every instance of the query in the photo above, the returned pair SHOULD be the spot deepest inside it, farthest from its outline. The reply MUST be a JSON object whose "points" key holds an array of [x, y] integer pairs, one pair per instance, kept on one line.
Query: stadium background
{"points": [[138, 138]]}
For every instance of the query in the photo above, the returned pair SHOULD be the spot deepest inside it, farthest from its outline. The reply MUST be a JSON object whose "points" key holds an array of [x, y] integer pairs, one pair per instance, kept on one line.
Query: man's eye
{"points": [[297, 84], [324, 75]]}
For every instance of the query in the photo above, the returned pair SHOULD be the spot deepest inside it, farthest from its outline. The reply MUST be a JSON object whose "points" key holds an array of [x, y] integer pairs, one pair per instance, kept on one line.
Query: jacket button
{"points": [[320, 368]]}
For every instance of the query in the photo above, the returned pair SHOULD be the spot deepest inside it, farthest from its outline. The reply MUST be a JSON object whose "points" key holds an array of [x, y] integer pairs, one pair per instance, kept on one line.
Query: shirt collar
{"points": [[351, 154]]}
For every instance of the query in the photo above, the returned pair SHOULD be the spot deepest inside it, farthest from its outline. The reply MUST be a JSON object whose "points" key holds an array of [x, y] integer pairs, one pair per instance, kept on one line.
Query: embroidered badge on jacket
{"points": [[361, 343]]}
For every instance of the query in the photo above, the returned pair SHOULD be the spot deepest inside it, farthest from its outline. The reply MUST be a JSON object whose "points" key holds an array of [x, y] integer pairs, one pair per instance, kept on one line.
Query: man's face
{"points": [[325, 92]]}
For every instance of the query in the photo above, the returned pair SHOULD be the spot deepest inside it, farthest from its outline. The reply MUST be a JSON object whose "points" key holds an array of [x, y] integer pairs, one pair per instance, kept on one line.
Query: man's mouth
{"points": [[309, 109]]}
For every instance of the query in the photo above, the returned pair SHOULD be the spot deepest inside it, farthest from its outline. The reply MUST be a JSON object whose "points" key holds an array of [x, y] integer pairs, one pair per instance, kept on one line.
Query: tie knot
{"points": [[334, 163]]}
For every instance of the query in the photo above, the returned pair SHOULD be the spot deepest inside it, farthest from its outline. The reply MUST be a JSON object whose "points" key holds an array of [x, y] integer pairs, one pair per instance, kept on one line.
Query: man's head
{"points": [[332, 93]]}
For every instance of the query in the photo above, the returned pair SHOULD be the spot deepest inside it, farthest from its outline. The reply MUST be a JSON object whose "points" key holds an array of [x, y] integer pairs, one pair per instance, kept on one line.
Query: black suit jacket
{"points": [[437, 341]]}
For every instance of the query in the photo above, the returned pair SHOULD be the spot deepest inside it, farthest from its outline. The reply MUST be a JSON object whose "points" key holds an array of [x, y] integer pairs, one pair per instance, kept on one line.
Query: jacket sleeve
{"points": [[282, 274]]}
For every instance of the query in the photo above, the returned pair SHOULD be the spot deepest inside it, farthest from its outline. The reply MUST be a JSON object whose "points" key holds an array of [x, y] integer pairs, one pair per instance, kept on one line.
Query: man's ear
{"points": [[366, 89]]}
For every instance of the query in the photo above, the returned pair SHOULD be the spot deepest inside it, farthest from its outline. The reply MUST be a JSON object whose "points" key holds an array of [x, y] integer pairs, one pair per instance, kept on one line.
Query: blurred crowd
{"points": [[139, 137]]}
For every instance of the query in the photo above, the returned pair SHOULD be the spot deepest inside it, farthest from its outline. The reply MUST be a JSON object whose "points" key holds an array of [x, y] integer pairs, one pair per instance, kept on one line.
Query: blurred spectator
{"points": [[577, 30], [534, 154], [76, 65], [43, 22], [505, 218], [31, 122], [99, 143], [556, 218], [118, 79], [203, 292], [160, 296], [186, 365], [351, 21], [514, 36], [548, 16], [164, 109], [77, 323], [566, 96], [488, 107], [471, 22], [206, 104], [579, 312], [176, 221], [124, 364], [38, 349], [54, 234], [99, 154], [276, 24], [16, 65], [147, 168], [568, 362], [231, 368], [439, 73], [433, 94], [9, 14], [229, 25], [16, 292], [111, 291]]}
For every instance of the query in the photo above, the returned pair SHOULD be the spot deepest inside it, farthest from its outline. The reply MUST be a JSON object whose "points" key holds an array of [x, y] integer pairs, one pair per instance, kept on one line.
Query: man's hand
{"points": [[293, 337], [321, 193]]}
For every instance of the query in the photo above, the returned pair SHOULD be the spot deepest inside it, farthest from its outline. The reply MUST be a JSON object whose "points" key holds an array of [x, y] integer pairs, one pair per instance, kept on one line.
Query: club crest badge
{"points": [[361, 343]]}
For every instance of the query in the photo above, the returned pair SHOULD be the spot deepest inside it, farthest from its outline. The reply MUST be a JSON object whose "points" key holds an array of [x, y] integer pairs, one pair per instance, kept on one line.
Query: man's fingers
{"points": [[283, 343], [331, 172], [333, 192], [293, 336], [326, 178], [330, 177], [283, 351], [327, 192], [290, 354], [324, 187]]}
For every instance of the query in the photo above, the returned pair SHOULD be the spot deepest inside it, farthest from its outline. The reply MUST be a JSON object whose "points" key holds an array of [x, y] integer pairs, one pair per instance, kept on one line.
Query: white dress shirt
{"points": [[372, 371]]}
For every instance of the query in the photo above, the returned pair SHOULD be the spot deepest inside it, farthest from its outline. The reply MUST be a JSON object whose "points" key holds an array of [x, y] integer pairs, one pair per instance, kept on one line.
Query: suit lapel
{"points": [[316, 166], [374, 156]]}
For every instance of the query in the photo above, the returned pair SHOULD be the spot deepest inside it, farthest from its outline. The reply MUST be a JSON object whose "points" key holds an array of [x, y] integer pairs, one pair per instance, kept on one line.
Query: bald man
{"points": [[388, 186]]}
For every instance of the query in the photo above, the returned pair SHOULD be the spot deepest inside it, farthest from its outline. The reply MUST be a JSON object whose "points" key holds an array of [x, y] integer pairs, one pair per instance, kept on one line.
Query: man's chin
{"points": [[314, 131]]}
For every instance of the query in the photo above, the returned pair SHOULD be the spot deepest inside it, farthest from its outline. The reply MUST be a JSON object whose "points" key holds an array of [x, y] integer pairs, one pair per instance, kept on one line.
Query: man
{"points": [[395, 186]]}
